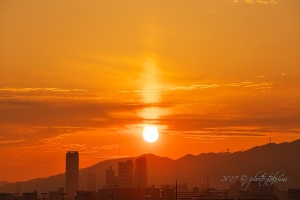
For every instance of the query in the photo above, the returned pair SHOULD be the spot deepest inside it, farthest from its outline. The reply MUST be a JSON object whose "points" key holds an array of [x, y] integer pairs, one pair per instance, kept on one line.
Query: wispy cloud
{"points": [[194, 87], [56, 145], [41, 89], [251, 84], [209, 135], [246, 84], [257, 1], [11, 141], [51, 145], [260, 85]]}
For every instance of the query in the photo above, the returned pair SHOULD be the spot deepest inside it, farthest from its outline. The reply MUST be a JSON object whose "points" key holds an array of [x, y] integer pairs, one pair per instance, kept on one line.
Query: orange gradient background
{"points": [[90, 75]]}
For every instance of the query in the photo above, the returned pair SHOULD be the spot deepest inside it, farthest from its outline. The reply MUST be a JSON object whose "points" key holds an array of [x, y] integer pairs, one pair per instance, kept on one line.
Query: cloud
{"points": [[41, 89], [246, 84], [267, 122], [28, 118], [209, 135], [10, 141], [260, 85], [25, 119], [213, 104], [257, 1], [194, 87], [251, 84], [51, 145]]}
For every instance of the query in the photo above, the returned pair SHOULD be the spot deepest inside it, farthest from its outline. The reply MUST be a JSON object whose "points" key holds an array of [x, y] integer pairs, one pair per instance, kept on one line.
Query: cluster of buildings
{"points": [[154, 193], [128, 176], [130, 182]]}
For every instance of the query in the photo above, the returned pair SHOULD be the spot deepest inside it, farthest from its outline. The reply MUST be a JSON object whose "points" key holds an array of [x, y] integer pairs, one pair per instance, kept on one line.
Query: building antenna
{"points": [[207, 183], [176, 188]]}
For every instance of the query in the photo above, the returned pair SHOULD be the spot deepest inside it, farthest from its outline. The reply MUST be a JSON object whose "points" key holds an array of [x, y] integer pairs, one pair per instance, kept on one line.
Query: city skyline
{"points": [[166, 193], [162, 171], [116, 79], [132, 184]]}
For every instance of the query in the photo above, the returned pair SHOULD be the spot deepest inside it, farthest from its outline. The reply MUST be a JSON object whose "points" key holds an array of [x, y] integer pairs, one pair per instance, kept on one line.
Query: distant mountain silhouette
{"points": [[4, 183], [192, 169]]}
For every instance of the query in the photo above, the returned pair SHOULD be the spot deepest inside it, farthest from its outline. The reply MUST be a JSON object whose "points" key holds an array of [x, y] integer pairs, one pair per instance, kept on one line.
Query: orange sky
{"points": [[89, 75]]}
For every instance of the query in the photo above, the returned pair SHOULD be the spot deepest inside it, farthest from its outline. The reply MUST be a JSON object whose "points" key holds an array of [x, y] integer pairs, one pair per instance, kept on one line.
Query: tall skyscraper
{"points": [[140, 173], [126, 174], [111, 179], [19, 188], [72, 173]]}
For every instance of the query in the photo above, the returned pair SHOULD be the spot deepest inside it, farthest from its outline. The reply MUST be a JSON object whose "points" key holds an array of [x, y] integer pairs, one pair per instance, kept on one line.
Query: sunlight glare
{"points": [[150, 134]]}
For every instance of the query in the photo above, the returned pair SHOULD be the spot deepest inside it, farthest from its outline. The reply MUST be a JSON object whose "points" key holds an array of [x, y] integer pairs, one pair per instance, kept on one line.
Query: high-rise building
{"points": [[208, 183], [72, 173], [85, 195], [126, 174], [18, 188], [91, 182], [129, 193], [30, 196], [111, 179], [140, 173], [294, 193], [57, 195]]}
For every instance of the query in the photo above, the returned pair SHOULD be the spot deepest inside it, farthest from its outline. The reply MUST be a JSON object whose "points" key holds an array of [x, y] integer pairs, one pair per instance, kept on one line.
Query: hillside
{"points": [[193, 169]]}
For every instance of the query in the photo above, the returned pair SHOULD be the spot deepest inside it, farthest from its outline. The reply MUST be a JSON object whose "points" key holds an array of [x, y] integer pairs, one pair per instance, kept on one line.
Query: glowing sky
{"points": [[90, 75]]}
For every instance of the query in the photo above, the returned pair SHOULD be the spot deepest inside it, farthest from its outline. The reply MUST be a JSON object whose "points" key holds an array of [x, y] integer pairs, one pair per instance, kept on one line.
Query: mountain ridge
{"points": [[193, 169]]}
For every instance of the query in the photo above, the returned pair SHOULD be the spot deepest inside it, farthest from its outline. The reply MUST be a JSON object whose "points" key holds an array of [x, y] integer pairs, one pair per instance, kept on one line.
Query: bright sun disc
{"points": [[150, 134]]}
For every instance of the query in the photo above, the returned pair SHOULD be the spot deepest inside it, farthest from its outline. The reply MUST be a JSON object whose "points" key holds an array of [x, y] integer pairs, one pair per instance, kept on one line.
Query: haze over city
{"points": [[114, 79]]}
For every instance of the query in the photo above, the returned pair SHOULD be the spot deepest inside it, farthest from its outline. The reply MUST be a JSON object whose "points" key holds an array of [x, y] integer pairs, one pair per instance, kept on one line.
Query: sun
{"points": [[150, 134]]}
